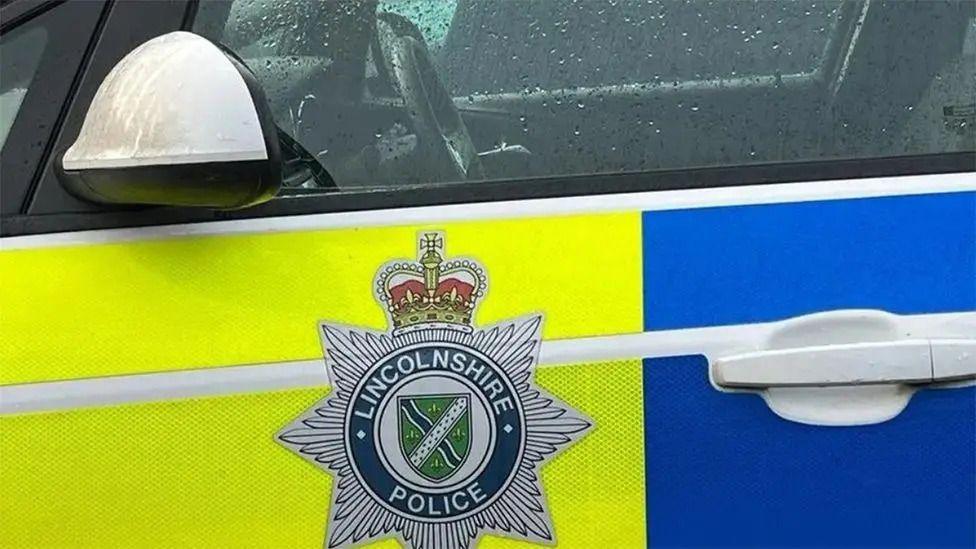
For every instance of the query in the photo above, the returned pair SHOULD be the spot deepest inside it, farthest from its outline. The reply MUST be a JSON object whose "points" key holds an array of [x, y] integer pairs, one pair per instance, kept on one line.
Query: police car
{"points": [[471, 273]]}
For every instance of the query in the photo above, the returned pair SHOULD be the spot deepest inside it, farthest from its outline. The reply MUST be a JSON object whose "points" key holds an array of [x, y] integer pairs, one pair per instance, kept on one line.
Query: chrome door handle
{"points": [[911, 361]]}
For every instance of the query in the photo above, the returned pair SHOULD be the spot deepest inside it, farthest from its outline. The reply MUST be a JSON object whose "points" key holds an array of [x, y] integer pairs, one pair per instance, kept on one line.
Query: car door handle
{"points": [[910, 361]]}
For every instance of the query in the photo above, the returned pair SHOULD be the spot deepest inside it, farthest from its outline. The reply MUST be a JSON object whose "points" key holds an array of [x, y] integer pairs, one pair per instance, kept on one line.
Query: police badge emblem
{"points": [[434, 431]]}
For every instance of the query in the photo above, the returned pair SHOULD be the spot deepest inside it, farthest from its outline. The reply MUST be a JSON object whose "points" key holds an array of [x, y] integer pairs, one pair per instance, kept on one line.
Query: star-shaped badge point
{"points": [[435, 437]]}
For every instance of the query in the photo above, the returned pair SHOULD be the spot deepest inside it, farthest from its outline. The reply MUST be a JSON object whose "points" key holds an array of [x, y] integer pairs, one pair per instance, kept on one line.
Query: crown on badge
{"points": [[431, 292]]}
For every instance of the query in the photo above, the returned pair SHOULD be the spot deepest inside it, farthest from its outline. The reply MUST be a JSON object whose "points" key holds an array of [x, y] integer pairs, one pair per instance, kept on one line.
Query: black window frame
{"points": [[45, 220], [579, 187]]}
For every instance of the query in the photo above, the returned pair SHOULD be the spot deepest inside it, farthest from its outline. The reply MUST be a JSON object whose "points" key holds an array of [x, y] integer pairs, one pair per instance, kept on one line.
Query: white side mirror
{"points": [[176, 122]]}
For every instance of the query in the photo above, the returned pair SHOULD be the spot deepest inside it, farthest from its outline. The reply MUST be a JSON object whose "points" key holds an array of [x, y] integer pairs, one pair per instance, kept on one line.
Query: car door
{"points": [[736, 351]]}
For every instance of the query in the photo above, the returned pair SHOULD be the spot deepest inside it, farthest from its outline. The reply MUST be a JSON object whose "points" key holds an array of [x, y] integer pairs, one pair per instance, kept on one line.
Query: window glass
{"points": [[433, 19], [520, 46], [20, 55], [397, 93]]}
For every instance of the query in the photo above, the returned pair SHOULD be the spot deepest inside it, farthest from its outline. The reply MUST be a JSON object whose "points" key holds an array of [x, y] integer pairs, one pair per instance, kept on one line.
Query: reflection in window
{"points": [[391, 94], [512, 46], [20, 55]]}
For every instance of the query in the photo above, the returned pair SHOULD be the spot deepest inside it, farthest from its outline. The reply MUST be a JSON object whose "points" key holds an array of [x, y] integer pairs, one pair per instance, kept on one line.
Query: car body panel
{"points": [[752, 479], [671, 461], [171, 474], [223, 300]]}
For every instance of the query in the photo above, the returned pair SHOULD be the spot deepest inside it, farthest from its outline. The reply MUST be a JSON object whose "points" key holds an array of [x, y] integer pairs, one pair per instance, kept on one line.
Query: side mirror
{"points": [[176, 122]]}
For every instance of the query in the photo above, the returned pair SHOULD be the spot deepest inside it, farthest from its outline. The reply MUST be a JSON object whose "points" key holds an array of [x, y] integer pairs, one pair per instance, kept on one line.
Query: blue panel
{"points": [[732, 265], [723, 470]]}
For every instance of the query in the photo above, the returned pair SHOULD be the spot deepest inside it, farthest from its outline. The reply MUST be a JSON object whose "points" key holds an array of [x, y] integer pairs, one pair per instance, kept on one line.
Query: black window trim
{"points": [[579, 186], [17, 12]]}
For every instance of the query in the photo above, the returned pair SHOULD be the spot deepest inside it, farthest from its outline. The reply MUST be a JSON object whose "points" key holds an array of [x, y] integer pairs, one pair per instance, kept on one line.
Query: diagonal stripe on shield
{"points": [[435, 433]]}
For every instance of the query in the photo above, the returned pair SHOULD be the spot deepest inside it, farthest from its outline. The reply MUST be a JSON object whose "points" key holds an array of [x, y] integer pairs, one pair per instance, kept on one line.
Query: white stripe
{"points": [[657, 200], [106, 391]]}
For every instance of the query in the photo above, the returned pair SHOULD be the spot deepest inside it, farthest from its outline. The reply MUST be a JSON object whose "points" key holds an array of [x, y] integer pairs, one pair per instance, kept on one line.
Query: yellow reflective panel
{"points": [[596, 487], [191, 302], [208, 473]]}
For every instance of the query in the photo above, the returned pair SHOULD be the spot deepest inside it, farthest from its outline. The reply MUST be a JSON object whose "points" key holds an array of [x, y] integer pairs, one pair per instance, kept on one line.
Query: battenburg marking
{"points": [[434, 431]]}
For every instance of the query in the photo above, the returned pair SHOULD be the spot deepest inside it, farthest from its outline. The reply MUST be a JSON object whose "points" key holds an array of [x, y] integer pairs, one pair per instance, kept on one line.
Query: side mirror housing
{"points": [[176, 122]]}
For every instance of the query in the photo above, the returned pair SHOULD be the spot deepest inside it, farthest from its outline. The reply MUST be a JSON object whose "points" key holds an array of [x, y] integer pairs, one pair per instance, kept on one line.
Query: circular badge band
{"points": [[435, 431]]}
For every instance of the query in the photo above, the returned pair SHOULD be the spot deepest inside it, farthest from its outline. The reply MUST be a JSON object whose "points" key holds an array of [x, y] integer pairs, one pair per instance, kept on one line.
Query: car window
{"points": [[520, 46], [42, 46], [433, 19], [393, 94], [20, 56]]}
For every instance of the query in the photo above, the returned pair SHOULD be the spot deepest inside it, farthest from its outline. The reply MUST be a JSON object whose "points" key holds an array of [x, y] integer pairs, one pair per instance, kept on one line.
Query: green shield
{"points": [[435, 433]]}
